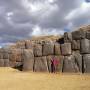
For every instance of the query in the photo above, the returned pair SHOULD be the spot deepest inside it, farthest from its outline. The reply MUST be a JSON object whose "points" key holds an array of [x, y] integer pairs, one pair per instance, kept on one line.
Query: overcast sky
{"points": [[21, 19]]}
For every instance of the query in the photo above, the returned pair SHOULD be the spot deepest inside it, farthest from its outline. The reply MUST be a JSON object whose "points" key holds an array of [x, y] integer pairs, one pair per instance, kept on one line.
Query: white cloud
{"points": [[83, 10]]}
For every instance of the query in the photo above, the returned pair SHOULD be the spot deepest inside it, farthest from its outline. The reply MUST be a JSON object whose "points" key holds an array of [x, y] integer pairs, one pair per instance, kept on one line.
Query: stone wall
{"points": [[72, 52]]}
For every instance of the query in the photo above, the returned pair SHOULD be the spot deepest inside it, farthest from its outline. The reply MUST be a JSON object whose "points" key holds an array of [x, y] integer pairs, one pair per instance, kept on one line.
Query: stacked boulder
{"points": [[72, 51]]}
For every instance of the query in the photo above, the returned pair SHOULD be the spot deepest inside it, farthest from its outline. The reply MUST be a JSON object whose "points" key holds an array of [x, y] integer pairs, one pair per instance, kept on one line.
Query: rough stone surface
{"points": [[57, 50], [67, 37], [1, 55], [85, 46], [69, 64], [5, 56], [28, 44], [28, 60], [37, 50], [20, 44], [77, 35], [66, 49], [86, 63], [88, 35], [6, 63], [1, 63], [40, 64], [60, 64], [76, 44], [48, 49], [78, 60]]}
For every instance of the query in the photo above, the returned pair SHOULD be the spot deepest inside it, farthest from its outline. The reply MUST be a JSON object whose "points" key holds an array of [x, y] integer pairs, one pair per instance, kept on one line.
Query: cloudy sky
{"points": [[20, 19]]}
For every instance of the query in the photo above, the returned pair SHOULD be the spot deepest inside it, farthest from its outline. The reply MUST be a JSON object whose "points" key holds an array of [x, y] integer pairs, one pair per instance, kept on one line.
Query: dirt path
{"points": [[11, 79]]}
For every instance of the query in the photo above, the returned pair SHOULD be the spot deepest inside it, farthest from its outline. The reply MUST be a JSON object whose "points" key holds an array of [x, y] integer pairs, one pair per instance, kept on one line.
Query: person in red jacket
{"points": [[54, 64]]}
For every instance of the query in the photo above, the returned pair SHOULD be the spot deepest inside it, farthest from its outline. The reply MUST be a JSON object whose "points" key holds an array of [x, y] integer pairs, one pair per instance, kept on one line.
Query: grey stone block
{"points": [[37, 50], [77, 35], [86, 63], [6, 63], [67, 37], [88, 35], [60, 64], [66, 49], [57, 49], [69, 64], [40, 64], [85, 46], [75, 44], [78, 60], [48, 49], [28, 60], [1, 62]]}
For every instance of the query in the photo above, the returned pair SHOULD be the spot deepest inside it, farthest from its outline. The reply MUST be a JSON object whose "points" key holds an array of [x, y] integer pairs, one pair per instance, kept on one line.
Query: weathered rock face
{"points": [[20, 44], [48, 49], [75, 44], [69, 64], [28, 60], [57, 49], [78, 60], [86, 63], [40, 64], [67, 37], [88, 35], [66, 49], [77, 35], [37, 50], [85, 46], [1, 63]]}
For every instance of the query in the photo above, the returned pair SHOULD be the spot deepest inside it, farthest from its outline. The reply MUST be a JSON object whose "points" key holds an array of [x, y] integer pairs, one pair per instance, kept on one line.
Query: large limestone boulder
{"points": [[69, 64], [66, 49], [40, 64], [59, 67], [20, 44], [28, 44], [1, 63], [88, 35], [78, 60], [67, 37], [86, 63], [6, 63], [57, 50], [37, 50], [28, 61], [77, 35], [85, 46], [48, 49], [76, 44], [16, 55]]}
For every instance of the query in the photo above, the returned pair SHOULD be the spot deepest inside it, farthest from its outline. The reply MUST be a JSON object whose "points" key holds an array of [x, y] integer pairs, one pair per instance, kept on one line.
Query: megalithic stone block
{"points": [[48, 49], [57, 49], [6, 63], [67, 37], [78, 60], [37, 50], [76, 44], [40, 64], [28, 44], [28, 60], [5, 56], [59, 66], [85, 46], [1, 55], [69, 64], [66, 49], [1, 62], [86, 63], [88, 35], [77, 35]]}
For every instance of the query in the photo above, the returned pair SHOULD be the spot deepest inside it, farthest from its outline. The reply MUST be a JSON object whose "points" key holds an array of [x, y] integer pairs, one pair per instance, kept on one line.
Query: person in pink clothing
{"points": [[54, 64]]}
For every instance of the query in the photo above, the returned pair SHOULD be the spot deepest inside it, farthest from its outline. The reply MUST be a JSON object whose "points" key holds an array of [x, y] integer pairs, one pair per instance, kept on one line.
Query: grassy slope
{"points": [[11, 79]]}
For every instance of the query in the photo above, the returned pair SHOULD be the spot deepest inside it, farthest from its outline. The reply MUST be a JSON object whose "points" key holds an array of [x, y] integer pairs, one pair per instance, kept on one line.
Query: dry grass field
{"points": [[11, 79]]}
